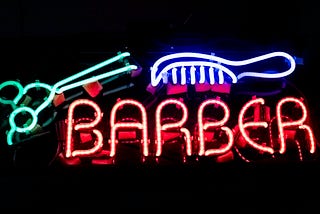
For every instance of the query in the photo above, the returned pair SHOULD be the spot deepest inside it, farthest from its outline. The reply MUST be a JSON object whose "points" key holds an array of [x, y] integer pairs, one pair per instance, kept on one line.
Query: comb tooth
{"points": [[221, 78], [211, 75], [193, 75], [180, 75], [183, 76], [174, 75], [165, 77], [202, 75]]}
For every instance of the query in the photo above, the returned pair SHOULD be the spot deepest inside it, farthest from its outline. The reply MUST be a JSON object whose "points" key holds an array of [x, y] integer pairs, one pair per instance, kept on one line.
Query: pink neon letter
{"points": [[167, 126], [204, 126], [83, 126], [243, 126], [116, 125], [298, 123]]}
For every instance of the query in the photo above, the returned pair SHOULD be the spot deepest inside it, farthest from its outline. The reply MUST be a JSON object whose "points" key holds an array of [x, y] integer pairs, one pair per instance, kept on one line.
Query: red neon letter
{"points": [[298, 123], [204, 126], [167, 126], [83, 126], [115, 126], [243, 126]]}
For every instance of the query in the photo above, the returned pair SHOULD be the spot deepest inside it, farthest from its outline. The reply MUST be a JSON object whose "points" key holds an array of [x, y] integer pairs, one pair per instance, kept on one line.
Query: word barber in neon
{"points": [[198, 143]]}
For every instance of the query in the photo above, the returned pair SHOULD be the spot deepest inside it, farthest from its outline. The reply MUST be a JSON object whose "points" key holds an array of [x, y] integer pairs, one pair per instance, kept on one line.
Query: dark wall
{"points": [[45, 27]]}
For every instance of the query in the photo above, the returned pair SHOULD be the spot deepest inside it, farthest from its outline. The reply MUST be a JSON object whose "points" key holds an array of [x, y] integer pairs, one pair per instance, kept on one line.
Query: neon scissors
{"points": [[57, 88]]}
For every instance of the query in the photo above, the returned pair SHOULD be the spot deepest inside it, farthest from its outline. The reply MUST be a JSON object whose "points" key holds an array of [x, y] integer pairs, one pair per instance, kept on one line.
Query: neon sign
{"points": [[197, 67], [204, 128], [197, 145]]}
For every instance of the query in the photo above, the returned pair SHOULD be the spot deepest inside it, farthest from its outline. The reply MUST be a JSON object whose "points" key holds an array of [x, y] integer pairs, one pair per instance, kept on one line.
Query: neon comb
{"points": [[195, 68]]}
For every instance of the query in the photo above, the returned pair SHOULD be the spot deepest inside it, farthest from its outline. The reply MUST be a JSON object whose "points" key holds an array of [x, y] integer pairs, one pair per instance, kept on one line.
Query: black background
{"points": [[45, 39]]}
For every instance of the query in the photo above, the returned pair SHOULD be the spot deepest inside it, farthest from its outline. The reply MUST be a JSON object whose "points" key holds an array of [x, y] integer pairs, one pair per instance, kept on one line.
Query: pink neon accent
{"points": [[93, 88], [85, 137], [83, 126], [225, 157], [179, 124], [224, 88], [298, 123], [204, 126], [58, 99], [176, 89], [97, 146], [242, 126], [256, 113], [123, 135], [69, 161], [202, 87], [117, 125]]}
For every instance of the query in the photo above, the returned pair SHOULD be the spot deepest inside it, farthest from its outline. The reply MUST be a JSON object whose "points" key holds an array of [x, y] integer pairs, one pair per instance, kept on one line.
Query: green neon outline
{"points": [[19, 95], [13, 125], [21, 110], [10, 136], [37, 85], [55, 89]]}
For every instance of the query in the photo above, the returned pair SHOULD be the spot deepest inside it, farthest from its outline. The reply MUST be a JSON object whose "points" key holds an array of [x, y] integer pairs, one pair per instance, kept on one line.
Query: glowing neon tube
{"points": [[177, 60], [56, 89]]}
